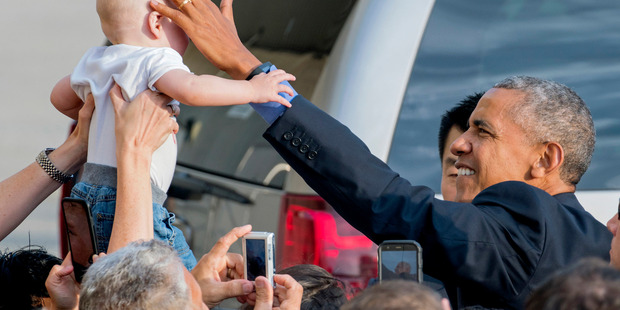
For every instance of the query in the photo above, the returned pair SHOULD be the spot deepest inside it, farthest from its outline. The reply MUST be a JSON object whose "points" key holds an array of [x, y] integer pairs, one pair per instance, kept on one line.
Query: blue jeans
{"points": [[102, 202]]}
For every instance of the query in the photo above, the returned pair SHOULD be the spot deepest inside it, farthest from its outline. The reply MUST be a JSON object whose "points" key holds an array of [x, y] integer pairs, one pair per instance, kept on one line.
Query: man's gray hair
{"points": [[552, 112], [142, 275]]}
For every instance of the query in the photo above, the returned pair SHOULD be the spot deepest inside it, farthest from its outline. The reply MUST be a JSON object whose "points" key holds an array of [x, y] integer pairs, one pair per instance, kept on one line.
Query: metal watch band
{"points": [[264, 68], [50, 169]]}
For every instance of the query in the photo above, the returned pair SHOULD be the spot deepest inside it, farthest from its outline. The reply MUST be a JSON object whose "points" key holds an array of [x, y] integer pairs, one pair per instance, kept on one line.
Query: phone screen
{"points": [[80, 234], [399, 261], [255, 260]]}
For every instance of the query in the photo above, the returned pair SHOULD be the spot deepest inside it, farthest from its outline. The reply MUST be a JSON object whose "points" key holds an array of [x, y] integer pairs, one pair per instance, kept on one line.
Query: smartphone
{"points": [[80, 234], [400, 259], [258, 255]]}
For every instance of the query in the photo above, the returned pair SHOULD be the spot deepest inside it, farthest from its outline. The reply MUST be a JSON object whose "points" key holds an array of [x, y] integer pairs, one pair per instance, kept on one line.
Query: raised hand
{"points": [[267, 86]]}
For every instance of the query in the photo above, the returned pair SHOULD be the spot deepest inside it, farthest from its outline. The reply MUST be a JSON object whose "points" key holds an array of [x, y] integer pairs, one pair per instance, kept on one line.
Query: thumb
{"points": [[232, 288], [176, 15], [264, 294], [226, 9], [218, 291], [65, 269], [116, 96]]}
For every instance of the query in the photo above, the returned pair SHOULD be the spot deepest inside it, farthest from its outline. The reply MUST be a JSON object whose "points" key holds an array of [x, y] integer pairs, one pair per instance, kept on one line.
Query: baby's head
{"points": [[134, 22]]}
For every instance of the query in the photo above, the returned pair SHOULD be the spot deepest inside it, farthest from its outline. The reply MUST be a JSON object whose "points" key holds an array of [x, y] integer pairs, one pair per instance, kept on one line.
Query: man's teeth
{"points": [[465, 171]]}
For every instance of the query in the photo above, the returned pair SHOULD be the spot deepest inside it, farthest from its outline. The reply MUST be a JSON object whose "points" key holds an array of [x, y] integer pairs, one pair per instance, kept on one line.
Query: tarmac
{"points": [[42, 41]]}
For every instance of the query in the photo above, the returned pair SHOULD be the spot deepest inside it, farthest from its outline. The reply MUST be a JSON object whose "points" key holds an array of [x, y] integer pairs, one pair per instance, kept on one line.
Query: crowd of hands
{"points": [[218, 273]]}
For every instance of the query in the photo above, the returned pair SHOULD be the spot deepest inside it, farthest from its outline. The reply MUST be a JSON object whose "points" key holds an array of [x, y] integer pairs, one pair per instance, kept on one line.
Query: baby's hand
{"points": [[267, 86]]}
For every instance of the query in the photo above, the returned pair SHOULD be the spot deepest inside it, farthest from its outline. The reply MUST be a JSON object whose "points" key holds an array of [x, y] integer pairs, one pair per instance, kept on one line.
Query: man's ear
{"points": [[154, 24], [551, 158]]}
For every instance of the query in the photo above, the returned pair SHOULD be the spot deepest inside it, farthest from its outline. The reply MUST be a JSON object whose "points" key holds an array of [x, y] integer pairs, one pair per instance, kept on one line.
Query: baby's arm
{"points": [[209, 90], [65, 99]]}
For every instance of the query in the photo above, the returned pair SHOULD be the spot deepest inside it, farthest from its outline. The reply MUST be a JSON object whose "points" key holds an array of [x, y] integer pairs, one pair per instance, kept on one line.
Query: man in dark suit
{"points": [[517, 219]]}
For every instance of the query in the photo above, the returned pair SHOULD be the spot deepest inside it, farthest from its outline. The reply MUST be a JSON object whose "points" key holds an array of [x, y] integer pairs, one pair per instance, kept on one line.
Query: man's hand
{"points": [[220, 274], [62, 287], [288, 293], [213, 31]]}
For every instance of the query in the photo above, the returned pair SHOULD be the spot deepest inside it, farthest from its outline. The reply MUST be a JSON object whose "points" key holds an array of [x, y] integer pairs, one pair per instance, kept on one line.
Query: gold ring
{"points": [[184, 3], [229, 273]]}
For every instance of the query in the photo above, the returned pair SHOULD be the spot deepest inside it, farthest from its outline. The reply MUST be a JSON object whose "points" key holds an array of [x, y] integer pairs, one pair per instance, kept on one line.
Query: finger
{"points": [[227, 11], [288, 289], [116, 96], [175, 15], [282, 76], [156, 98], [287, 282], [277, 72], [282, 101], [230, 289], [241, 287], [250, 299], [264, 294], [86, 112], [223, 244], [235, 261], [290, 77], [175, 127], [67, 260], [64, 269], [286, 89]]}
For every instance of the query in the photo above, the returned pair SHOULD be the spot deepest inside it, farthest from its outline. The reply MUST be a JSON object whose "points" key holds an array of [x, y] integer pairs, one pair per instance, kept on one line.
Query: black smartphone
{"points": [[258, 255], [80, 234], [400, 259]]}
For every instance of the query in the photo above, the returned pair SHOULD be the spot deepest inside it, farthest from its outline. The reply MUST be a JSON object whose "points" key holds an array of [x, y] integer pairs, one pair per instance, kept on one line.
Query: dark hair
{"points": [[22, 277], [459, 116], [396, 295], [321, 289], [590, 284]]}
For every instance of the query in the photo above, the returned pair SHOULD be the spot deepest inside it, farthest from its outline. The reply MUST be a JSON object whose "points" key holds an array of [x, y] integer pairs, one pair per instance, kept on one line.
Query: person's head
{"points": [[134, 22], [321, 289], [142, 275], [396, 295], [588, 285], [453, 123], [525, 129], [402, 267], [22, 277]]}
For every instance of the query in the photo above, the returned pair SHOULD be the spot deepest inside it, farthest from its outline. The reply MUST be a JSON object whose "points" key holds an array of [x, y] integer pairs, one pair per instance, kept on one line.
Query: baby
{"points": [[145, 53]]}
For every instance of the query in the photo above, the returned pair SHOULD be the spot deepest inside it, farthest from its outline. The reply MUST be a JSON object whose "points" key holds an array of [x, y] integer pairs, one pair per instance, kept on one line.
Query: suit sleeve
{"points": [[458, 240]]}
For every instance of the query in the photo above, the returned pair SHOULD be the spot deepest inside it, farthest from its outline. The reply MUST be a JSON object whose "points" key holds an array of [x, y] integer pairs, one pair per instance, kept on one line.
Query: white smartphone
{"points": [[258, 255], [400, 259]]}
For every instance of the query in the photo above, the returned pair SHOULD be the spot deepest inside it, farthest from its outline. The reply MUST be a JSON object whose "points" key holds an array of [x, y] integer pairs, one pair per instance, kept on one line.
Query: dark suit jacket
{"points": [[495, 249]]}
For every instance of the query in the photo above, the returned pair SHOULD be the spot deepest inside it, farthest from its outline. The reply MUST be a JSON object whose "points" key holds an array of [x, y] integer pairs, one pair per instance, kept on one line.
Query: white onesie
{"points": [[134, 69]]}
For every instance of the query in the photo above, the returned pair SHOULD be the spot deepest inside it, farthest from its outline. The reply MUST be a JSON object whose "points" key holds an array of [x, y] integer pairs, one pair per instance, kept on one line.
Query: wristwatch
{"points": [[264, 68], [50, 169]]}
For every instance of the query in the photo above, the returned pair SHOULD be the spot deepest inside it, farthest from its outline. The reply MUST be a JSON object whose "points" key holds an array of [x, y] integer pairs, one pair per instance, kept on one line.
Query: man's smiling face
{"points": [[494, 148]]}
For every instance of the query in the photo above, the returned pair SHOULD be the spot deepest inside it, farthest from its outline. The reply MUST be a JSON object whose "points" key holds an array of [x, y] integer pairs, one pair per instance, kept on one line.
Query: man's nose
{"points": [[612, 224], [461, 145]]}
